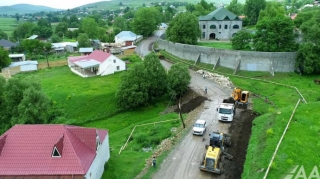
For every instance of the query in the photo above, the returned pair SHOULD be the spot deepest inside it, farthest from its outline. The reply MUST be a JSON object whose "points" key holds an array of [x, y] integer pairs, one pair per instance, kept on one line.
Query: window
{"points": [[114, 61], [219, 26], [213, 27], [204, 26], [118, 67], [225, 26], [203, 35], [236, 27], [55, 152]]}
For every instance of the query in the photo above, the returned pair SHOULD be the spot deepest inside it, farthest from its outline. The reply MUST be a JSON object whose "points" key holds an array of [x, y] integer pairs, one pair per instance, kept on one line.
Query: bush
{"points": [[269, 132]]}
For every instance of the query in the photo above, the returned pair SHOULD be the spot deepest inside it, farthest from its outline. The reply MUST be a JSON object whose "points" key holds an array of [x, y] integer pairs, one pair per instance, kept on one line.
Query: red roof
{"points": [[97, 55], [28, 149]]}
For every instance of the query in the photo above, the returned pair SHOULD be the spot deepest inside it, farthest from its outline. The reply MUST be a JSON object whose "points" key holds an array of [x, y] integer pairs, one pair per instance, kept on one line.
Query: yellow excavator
{"points": [[240, 97]]}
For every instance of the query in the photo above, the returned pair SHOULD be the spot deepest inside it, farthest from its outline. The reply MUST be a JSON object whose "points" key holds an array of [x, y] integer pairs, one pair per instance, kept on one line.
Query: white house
{"points": [[97, 63], [17, 57], [127, 38]]}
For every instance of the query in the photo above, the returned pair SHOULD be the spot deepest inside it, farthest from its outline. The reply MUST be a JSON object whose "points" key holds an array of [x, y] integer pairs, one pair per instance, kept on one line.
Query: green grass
{"points": [[83, 99], [300, 144], [8, 25], [220, 45]]}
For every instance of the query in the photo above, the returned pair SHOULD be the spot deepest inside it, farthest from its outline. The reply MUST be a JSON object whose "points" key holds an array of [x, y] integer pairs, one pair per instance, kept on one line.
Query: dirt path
{"points": [[184, 159]]}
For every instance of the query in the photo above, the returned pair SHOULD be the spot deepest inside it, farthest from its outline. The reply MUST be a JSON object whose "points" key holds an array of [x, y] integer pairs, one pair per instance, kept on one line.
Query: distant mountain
{"points": [[25, 8]]}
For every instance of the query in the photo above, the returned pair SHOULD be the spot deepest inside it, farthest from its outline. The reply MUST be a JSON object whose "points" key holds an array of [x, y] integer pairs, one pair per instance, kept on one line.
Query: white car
{"points": [[199, 127]]}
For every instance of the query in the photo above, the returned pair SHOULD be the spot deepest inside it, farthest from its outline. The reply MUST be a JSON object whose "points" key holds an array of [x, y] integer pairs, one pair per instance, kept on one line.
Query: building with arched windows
{"points": [[219, 24]]}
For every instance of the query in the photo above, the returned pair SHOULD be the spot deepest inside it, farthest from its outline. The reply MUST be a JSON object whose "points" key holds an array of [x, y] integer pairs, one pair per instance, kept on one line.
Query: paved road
{"points": [[183, 162], [143, 46]]}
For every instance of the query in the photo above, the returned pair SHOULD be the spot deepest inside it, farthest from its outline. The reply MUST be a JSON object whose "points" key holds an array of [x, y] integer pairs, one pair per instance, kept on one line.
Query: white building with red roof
{"points": [[97, 63], [53, 151]]}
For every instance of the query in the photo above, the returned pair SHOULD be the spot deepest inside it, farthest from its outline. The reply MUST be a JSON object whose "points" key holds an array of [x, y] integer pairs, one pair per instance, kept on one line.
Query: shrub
{"points": [[269, 132]]}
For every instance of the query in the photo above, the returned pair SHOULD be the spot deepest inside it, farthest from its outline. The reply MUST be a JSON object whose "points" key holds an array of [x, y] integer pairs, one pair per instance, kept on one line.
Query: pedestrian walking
{"points": [[154, 162], [205, 90]]}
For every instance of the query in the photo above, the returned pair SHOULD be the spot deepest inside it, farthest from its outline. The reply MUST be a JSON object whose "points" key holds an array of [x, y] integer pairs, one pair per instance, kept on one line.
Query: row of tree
{"points": [[145, 82]]}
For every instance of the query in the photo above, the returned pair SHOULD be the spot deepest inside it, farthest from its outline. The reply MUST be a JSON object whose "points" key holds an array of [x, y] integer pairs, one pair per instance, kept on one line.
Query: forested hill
{"points": [[24, 8]]}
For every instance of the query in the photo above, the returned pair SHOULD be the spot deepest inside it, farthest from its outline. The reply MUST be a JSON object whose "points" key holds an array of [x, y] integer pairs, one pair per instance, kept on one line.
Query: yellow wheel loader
{"points": [[240, 97]]}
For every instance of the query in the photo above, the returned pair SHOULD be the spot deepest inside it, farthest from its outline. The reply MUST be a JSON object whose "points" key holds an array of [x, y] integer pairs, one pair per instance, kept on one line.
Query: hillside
{"points": [[115, 4], [24, 8]]}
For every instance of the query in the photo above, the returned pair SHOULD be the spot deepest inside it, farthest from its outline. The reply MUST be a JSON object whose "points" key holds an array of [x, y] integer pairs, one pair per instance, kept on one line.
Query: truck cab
{"points": [[226, 112]]}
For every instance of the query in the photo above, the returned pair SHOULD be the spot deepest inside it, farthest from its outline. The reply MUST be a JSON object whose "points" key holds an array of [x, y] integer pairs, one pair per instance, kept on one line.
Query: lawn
{"points": [[216, 44], [8, 25], [300, 144]]}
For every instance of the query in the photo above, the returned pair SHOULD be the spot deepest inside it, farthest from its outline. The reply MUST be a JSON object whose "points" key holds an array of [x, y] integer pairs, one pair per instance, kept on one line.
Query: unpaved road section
{"points": [[183, 161]]}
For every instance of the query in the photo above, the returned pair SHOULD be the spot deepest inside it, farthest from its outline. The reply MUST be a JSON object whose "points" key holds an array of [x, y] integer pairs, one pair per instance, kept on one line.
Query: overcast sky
{"points": [[59, 4]]}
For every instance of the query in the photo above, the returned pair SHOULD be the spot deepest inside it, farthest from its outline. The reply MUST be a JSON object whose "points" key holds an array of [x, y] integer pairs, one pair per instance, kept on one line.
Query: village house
{"points": [[127, 38], [7, 45], [53, 151], [97, 63], [219, 24]]}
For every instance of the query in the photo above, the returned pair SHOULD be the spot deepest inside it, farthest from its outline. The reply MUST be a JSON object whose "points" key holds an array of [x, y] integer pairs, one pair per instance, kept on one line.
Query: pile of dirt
{"points": [[192, 104], [240, 131]]}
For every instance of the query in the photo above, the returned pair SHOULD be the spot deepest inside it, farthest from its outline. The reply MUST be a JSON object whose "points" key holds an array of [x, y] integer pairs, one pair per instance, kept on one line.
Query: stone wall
{"points": [[244, 60]]}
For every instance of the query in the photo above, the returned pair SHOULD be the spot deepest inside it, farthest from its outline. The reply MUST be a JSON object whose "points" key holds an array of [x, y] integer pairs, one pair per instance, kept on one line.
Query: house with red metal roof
{"points": [[50, 151], [97, 63]]}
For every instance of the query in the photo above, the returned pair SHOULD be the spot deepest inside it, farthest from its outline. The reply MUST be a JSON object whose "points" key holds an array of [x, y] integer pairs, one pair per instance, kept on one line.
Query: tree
{"points": [[23, 102], [275, 35], [241, 40], [4, 58], [272, 10], [178, 79], [184, 28], [62, 27], [73, 21], [102, 36], [3, 35], [146, 21], [55, 38], [17, 16], [308, 59], [83, 41], [120, 23], [23, 30], [156, 76], [235, 7], [90, 27], [252, 9], [43, 28], [133, 88]]}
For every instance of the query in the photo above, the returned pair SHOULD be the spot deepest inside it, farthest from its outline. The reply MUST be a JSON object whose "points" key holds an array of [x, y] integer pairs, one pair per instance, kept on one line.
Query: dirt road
{"points": [[183, 162]]}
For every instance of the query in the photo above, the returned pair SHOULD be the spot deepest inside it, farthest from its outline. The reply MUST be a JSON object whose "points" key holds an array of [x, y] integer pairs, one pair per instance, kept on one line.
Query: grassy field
{"points": [[8, 25], [216, 44], [300, 145]]}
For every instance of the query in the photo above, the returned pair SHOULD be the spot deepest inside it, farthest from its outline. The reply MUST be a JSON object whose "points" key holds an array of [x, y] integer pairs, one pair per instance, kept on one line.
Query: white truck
{"points": [[199, 127], [226, 112]]}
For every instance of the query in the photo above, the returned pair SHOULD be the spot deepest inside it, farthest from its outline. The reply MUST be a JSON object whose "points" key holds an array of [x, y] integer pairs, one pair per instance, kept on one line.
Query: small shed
{"points": [[25, 65], [17, 57]]}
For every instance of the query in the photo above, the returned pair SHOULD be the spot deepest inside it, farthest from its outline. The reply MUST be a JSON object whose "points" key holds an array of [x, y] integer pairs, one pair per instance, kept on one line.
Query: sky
{"points": [[59, 4]]}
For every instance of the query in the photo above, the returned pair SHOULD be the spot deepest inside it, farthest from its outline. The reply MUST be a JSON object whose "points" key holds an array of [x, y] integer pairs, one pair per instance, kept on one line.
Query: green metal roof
{"points": [[219, 14]]}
